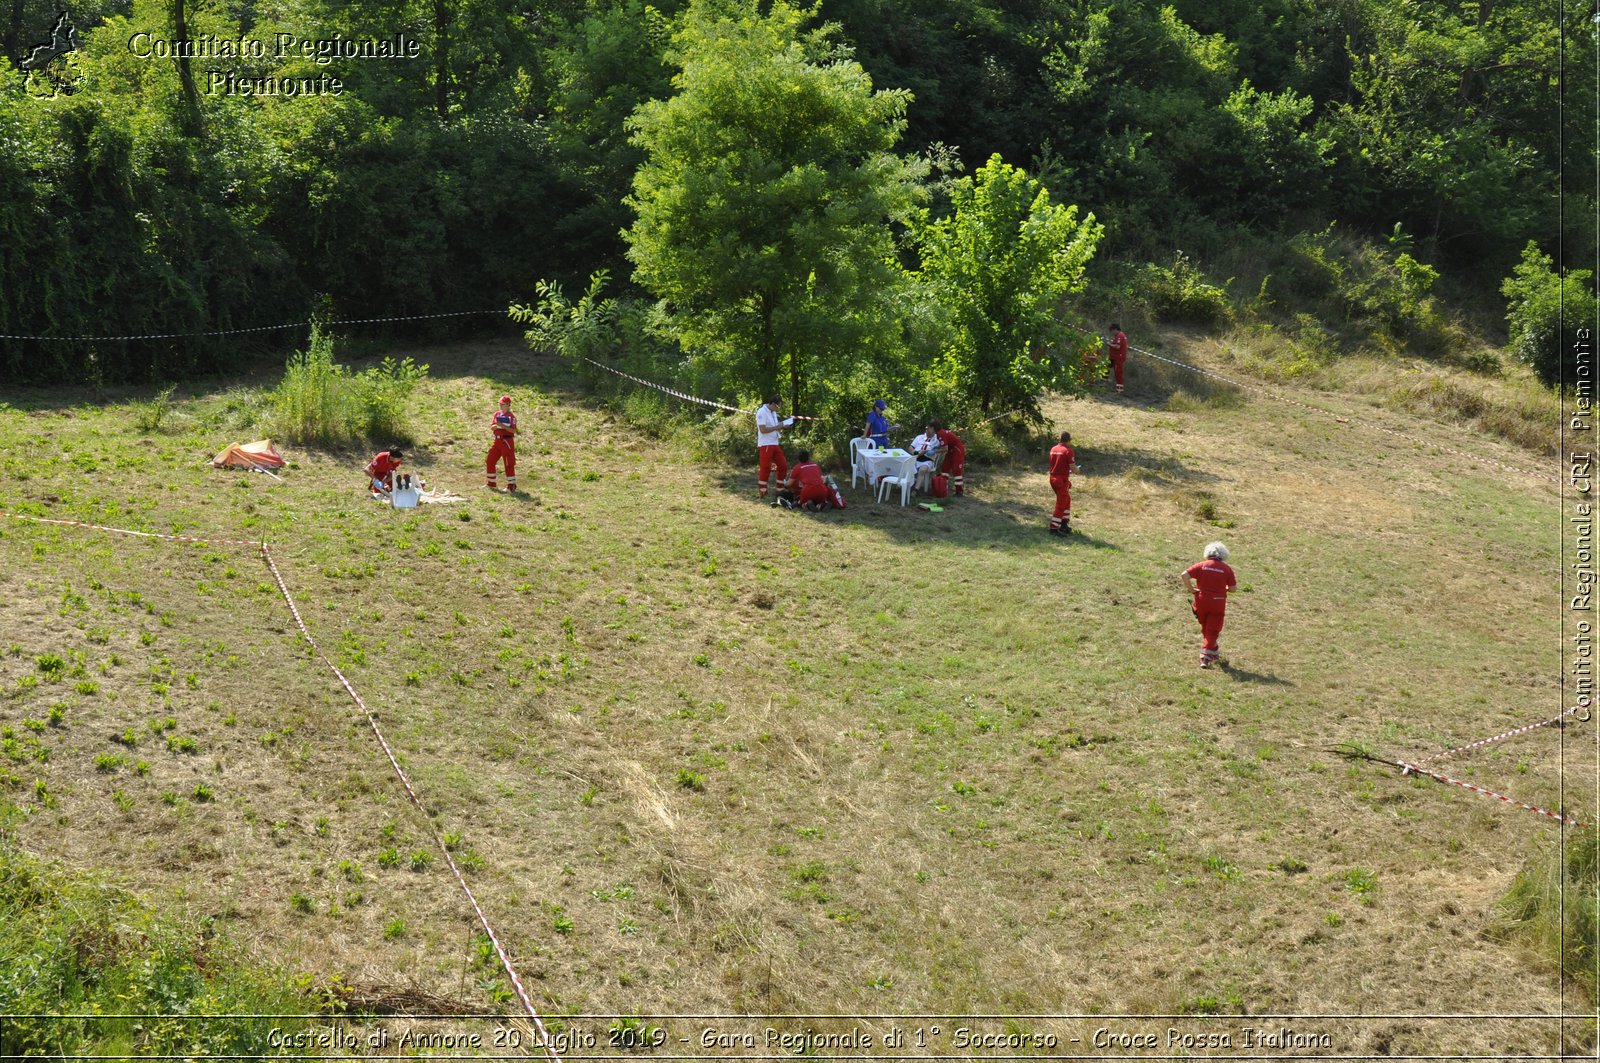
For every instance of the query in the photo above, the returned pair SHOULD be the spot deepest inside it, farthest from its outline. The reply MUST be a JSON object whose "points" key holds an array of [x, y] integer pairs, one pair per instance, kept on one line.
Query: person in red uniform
{"points": [[1210, 581], [380, 470], [809, 489], [504, 426], [1117, 352], [955, 456], [1063, 463]]}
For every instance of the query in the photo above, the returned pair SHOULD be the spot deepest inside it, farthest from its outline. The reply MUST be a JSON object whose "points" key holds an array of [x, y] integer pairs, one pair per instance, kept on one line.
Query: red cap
{"points": [[505, 398]]}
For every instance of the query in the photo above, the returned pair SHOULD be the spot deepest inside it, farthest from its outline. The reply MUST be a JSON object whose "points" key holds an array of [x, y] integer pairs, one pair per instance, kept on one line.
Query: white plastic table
{"points": [[892, 462]]}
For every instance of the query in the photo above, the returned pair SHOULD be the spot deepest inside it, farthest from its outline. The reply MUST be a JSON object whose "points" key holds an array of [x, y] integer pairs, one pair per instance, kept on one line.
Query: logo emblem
{"points": [[63, 39]]}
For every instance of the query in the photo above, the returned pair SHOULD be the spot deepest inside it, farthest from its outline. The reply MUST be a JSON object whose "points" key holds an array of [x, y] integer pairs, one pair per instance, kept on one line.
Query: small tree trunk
{"points": [[794, 382], [190, 107], [768, 352], [441, 70]]}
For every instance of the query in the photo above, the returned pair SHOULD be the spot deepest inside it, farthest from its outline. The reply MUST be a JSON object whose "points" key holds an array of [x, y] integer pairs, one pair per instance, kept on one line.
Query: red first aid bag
{"points": [[939, 486]]}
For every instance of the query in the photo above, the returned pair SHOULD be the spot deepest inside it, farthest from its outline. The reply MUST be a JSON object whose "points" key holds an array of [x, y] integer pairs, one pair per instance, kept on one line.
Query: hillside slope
{"points": [[704, 755]]}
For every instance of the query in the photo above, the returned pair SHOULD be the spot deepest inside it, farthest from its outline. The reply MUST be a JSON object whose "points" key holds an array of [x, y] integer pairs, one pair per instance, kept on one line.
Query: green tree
{"points": [[602, 66], [1545, 312], [1003, 262], [765, 201]]}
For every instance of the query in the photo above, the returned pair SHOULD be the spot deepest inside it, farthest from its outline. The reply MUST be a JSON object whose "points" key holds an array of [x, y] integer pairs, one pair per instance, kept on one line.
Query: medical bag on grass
{"points": [[939, 486]]}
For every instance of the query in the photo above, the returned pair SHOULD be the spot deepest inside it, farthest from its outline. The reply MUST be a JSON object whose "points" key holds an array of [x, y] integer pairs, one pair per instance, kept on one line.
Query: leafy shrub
{"points": [[1180, 292], [150, 416], [1544, 311], [384, 393], [320, 401], [1380, 293]]}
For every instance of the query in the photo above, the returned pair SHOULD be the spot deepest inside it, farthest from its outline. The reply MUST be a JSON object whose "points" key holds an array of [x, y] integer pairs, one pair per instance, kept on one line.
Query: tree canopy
{"points": [[765, 197], [770, 144]]}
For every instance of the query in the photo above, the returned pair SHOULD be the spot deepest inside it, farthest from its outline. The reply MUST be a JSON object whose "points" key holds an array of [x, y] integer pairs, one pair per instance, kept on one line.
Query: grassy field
{"points": [[700, 755]]}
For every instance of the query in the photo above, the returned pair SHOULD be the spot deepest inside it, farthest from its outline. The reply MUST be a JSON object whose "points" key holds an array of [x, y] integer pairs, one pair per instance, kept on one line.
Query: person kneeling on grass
{"points": [[807, 486], [1210, 581], [380, 470]]}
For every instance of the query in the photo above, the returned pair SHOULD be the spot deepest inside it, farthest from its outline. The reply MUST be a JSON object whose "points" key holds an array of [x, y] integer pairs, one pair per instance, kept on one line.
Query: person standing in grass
{"points": [[504, 427], [768, 450], [1063, 463], [1117, 353], [1210, 581], [380, 470], [955, 456], [877, 428]]}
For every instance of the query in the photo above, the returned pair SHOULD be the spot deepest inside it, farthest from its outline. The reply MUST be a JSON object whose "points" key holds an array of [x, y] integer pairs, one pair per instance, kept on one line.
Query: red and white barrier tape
{"points": [[1408, 769], [685, 396], [242, 331], [546, 1041], [130, 531], [1500, 737]]}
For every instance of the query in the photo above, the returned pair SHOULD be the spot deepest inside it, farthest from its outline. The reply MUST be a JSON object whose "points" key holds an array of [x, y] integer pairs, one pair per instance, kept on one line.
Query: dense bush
{"points": [[1545, 312]]}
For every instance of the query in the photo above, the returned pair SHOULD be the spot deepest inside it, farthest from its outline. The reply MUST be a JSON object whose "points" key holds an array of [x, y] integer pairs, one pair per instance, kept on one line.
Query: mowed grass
{"points": [[703, 755]]}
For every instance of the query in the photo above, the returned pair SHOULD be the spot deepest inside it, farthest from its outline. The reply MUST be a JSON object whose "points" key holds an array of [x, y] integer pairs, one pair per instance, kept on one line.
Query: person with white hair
{"points": [[1210, 581]]}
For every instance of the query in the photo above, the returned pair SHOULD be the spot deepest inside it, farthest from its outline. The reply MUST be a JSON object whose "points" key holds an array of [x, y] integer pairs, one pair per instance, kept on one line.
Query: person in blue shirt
{"points": [[877, 428]]}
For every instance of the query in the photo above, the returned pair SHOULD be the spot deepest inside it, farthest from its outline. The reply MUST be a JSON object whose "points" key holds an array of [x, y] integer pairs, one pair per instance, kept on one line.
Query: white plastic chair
{"points": [[406, 494], [857, 469], [902, 478]]}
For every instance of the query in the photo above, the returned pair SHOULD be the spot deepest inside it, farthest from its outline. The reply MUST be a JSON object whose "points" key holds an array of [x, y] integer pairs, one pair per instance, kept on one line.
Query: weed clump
{"points": [[1554, 905], [322, 402], [69, 944]]}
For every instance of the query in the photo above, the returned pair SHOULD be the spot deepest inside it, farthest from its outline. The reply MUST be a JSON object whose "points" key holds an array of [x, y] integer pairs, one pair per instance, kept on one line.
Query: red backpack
{"points": [[939, 486]]}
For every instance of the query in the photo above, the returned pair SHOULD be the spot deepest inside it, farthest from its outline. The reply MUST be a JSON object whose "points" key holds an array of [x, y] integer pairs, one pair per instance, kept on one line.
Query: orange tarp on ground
{"points": [[258, 455]]}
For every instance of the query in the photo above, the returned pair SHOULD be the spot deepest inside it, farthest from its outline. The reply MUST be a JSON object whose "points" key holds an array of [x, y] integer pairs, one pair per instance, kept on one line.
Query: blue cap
{"points": [[880, 405]]}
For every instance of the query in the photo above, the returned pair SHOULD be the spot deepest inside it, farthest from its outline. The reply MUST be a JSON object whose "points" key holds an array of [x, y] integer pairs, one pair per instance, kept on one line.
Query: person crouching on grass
{"points": [[809, 490], [1210, 581], [380, 470], [504, 426]]}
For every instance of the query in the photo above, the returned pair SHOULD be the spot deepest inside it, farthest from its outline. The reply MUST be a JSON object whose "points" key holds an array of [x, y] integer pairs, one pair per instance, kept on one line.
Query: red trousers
{"points": [[955, 463], [817, 493], [771, 458], [1117, 362], [1210, 630], [502, 448], [1063, 490]]}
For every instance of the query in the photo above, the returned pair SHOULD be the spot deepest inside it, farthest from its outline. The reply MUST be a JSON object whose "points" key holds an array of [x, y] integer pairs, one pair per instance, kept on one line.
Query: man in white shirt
{"points": [[771, 454], [923, 447]]}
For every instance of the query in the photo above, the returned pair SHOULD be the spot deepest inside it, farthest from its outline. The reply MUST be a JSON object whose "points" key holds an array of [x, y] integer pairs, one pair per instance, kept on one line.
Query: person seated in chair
{"points": [[925, 448]]}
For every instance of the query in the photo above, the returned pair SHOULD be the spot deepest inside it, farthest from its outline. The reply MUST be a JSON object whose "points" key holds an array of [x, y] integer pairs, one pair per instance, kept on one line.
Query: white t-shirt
{"points": [[767, 425]]}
